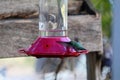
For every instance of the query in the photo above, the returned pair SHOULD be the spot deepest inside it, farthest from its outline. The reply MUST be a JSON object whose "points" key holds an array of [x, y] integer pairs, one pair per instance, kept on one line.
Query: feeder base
{"points": [[49, 47]]}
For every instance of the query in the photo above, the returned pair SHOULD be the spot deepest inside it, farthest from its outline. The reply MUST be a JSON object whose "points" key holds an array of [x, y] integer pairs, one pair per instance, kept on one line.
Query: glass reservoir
{"points": [[53, 18], [52, 32]]}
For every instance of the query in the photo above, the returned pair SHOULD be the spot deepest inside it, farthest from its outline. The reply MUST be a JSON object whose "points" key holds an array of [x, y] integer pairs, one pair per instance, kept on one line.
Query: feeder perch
{"points": [[52, 29]]}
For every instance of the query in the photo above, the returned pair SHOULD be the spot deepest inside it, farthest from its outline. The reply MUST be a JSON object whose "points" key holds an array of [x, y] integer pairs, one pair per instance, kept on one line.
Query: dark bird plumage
{"points": [[74, 44]]}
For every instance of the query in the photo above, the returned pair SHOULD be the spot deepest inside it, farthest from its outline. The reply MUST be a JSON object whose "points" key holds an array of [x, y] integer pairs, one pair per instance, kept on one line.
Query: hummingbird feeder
{"points": [[52, 30]]}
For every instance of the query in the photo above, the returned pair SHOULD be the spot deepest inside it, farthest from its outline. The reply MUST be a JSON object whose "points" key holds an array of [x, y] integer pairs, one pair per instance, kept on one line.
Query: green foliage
{"points": [[104, 7]]}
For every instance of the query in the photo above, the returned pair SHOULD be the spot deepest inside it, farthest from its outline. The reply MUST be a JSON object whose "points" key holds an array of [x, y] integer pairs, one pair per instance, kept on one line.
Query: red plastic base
{"points": [[49, 47]]}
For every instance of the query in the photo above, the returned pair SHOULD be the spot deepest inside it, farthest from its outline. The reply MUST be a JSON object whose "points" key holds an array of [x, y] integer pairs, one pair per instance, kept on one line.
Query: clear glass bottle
{"points": [[53, 18]]}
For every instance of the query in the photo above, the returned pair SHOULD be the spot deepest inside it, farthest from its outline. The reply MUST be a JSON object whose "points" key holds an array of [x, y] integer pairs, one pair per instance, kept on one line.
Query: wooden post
{"points": [[91, 75], [93, 66]]}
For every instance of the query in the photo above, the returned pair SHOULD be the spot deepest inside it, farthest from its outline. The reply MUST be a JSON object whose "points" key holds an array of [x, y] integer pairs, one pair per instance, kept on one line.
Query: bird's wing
{"points": [[64, 43]]}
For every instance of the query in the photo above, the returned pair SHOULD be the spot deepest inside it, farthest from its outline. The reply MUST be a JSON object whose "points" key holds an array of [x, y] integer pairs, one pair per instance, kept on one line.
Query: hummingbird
{"points": [[74, 44]]}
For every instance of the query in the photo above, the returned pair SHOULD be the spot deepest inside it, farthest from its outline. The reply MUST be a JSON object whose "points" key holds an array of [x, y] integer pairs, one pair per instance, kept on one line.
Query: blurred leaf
{"points": [[104, 7]]}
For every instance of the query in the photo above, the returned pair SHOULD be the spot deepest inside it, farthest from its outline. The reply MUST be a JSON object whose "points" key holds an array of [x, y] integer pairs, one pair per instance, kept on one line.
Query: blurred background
{"points": [[17, 68], [25, 68], [28, 68]]}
